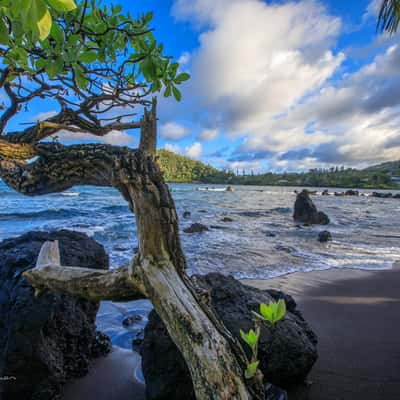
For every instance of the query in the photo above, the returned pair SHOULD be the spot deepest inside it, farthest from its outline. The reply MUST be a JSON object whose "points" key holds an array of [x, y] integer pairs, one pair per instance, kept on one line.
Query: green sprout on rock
{"points": [[272, 313]]}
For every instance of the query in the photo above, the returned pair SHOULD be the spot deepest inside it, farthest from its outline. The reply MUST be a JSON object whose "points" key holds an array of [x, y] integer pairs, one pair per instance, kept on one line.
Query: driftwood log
{"points": [[215, 359]]}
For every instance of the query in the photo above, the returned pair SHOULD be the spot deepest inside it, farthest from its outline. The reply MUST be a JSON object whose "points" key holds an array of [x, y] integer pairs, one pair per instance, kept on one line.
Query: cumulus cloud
{"points": [[115, 138], [207, 135], [194, 151], [174, 148], [263, 72], [173, 131]]}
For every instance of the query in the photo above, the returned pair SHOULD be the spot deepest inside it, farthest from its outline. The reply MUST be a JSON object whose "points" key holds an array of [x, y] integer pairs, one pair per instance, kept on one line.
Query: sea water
{"points": [[261, 242]]}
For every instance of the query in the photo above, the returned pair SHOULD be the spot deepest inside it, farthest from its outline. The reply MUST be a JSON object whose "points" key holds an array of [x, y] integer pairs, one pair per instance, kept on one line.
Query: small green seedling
{"points": [[273, 312], [251, 338], [251, 370]]}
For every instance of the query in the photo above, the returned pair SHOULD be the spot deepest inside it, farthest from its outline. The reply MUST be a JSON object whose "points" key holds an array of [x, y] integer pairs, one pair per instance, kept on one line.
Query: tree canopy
{"points": [[389, 16], [95, 60]]}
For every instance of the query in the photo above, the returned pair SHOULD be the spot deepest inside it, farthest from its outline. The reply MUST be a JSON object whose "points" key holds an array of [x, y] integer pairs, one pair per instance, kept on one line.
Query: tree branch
{"points": [[95, 285]]}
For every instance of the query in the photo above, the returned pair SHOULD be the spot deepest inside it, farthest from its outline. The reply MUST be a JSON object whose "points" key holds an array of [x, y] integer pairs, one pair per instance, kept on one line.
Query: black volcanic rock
{"points": [[286, 353], [306, 212], [45, 340], [196, 228], [324, 236]]}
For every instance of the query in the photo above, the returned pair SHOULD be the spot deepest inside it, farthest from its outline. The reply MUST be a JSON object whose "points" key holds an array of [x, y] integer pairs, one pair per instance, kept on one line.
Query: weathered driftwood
{"points": [[215, 360]]}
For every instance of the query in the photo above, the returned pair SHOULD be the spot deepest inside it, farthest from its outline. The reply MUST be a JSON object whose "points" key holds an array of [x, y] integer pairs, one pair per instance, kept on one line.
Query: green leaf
{"points": [[177, 93], [182, 77], [4, 37], [251, 370], [62, 5], [167, 91], [88, 57], [281, 310], [80, 77], [57, 33], [267, 311]]}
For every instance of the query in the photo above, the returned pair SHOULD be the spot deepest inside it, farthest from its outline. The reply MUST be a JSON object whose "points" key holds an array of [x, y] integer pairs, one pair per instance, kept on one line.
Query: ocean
{"points": [[261, 241]]}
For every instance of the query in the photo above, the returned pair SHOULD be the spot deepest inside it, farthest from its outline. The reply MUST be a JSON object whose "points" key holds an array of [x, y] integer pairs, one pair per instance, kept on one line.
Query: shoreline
{"points": [[355, 314]]}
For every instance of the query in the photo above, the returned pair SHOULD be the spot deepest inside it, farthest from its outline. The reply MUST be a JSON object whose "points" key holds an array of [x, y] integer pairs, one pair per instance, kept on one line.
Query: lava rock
{"points": [[351, 193], [382, 195], [286, 353], [128, 321], [196, 228], [49, 339], [324, 236], [187, 214], [306, 212]]}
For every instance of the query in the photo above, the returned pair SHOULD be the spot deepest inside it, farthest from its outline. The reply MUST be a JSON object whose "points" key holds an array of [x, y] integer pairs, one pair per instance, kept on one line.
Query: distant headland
{"points": [[181, 169]]}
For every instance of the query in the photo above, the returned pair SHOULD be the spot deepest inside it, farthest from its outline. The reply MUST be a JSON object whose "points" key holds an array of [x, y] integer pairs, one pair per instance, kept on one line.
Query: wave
{"points": [[44, 214], [70, 194]]}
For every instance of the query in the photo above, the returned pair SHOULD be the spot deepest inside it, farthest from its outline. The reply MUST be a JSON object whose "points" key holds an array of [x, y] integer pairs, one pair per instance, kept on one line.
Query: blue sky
{"points": [[277, 85]]}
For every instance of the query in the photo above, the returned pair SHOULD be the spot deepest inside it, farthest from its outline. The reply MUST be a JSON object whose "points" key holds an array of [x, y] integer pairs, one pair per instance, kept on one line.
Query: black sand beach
{"points": [[356, 315]]}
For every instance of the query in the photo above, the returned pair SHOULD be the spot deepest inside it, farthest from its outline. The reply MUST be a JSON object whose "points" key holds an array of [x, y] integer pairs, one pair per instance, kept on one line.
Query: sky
{"points": [[276, 85]]}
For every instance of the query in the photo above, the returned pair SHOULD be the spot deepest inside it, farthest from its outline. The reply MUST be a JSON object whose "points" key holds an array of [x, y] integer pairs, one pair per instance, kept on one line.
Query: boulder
{"points": [[196, 228], [324, 236], [287, 353], [351, 192], [382, 195], [45, 340], [306, 212]]}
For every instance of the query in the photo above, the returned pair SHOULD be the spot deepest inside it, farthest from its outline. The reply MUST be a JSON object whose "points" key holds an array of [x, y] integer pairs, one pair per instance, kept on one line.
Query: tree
{"points": [[98, 65], [389, 16]]}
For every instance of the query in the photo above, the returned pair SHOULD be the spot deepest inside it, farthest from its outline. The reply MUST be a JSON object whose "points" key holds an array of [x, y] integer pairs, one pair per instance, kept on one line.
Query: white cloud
{"points": [[115, 138], [44, 115], [257, 61], [184, 59], [194, 151], [173, 131], [263, 72], [173, 148], [207, 135]]}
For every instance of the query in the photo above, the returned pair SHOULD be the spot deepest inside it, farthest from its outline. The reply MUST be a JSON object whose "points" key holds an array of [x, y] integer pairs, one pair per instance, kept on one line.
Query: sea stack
{"points": [[306, 212]]}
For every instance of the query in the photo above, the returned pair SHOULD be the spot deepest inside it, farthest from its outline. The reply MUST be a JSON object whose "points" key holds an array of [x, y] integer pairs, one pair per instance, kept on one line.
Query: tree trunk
{"points": [[215, 360]]}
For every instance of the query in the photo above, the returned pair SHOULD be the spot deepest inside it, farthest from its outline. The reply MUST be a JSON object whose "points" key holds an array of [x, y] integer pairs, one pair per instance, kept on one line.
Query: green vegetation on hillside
{"points": [[182, 169]]}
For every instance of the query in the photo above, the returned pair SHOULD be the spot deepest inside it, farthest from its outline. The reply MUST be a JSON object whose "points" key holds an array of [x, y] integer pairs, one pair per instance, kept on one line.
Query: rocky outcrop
{"points": [[196, 228], [306, 212], [45, 340], [286, 353], [351, 192], [324, 236]]}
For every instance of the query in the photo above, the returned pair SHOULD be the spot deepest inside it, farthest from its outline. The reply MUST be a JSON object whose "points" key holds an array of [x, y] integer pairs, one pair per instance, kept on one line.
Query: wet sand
{"points": [[110, 378], [356, 315]]}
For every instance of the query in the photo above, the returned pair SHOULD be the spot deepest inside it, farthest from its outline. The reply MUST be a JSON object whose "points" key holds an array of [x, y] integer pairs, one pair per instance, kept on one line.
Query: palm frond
{"points": [[389, 16]]}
